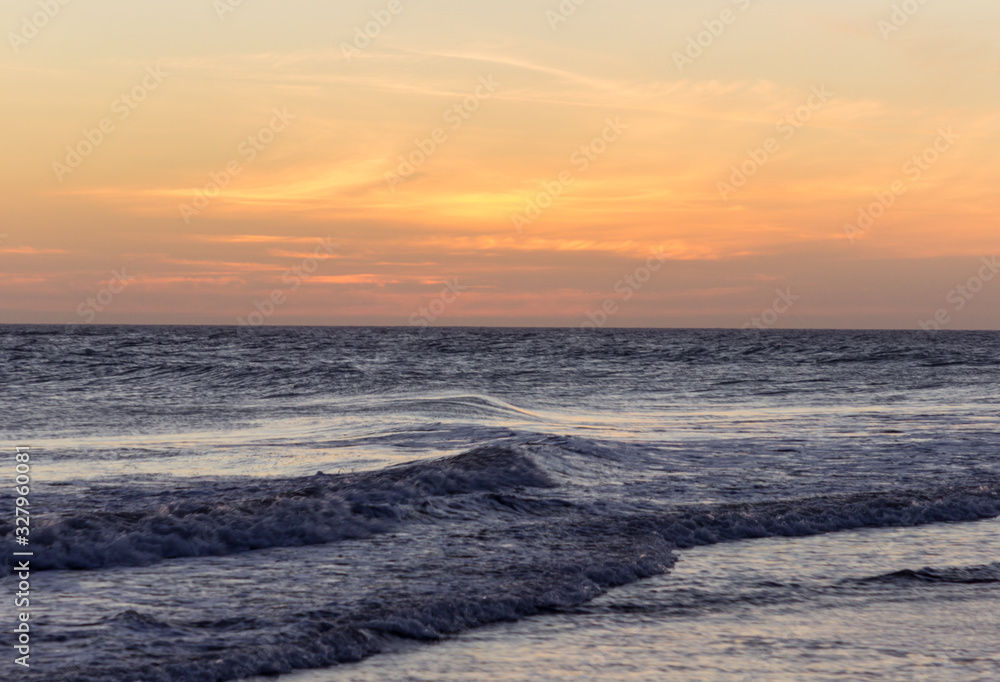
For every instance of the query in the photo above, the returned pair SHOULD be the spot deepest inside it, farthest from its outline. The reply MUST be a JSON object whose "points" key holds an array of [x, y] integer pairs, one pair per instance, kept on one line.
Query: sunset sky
{"points": [[612, 119]]}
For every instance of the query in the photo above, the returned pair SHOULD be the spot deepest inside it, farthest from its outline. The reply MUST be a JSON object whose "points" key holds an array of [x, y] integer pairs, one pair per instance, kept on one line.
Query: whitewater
{"points": [[216, 503]]}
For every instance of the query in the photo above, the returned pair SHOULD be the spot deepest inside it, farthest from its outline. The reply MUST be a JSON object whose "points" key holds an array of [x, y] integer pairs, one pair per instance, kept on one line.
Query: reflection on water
{"points": [[771, 609]]}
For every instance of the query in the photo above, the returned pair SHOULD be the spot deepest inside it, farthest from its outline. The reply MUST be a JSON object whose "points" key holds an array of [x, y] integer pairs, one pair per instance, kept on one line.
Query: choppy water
{"points": [[458, 504]]}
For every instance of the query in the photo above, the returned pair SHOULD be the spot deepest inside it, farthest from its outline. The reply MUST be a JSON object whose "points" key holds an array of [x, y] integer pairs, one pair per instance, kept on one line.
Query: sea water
{"points": [[213, 503]]}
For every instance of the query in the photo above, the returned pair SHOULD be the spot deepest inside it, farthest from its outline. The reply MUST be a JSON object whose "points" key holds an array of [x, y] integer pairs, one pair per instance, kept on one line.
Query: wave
{"points": [[989, 573], [464, 405], [319, 509], [502, 572], [704, 525], [541, 478], [520, 574], [495, 534]]}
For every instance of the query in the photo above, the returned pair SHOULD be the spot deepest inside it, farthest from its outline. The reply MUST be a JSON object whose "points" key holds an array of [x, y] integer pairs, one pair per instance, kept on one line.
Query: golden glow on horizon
{"points": [[426, 157]]}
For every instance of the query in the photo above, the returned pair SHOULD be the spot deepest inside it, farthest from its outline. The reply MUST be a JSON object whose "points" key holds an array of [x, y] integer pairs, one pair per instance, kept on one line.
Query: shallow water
{"points": [[826, 607]]}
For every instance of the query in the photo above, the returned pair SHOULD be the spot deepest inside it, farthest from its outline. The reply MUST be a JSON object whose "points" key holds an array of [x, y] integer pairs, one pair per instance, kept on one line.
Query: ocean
{"points": [[438, 504]]}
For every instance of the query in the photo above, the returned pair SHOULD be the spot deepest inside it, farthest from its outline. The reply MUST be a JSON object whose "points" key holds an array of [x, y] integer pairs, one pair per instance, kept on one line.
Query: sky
{"points": [[626, 163]]}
